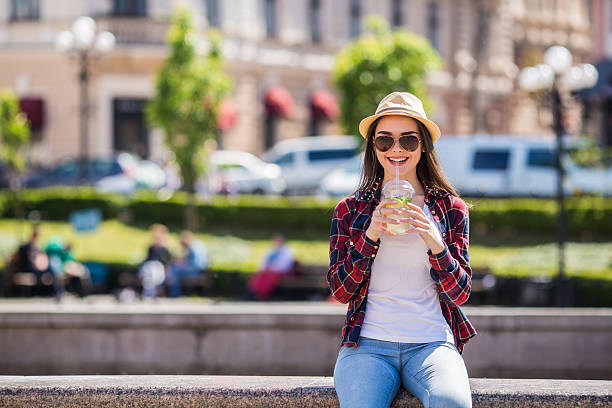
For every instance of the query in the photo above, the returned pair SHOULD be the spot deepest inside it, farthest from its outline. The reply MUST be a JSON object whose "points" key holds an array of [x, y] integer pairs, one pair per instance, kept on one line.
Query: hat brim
{"points": [[434, 130]]}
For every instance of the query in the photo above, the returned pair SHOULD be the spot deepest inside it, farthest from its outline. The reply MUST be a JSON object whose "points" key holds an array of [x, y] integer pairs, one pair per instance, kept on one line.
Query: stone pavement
{"points": [[248, 391]]}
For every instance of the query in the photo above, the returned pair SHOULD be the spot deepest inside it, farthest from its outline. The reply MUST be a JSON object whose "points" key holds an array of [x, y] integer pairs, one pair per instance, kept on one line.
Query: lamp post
{"points": [[84, 43], [556, 74]]}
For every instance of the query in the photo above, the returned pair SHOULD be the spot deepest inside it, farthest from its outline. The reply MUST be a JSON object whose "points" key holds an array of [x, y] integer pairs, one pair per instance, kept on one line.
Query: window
{"points": [[331, 154], [213, 14], [130, 132], [541, 158], [396, 13], [491, 160], [433, 24], [270, 14], [103, 168], [355, 18], [130, 8], [24, 10], [285, 160], [315, 20], [66, 170]]}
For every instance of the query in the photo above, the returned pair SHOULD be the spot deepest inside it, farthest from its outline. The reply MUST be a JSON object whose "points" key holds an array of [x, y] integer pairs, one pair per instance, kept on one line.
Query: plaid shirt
{"points": [[352, 253]]}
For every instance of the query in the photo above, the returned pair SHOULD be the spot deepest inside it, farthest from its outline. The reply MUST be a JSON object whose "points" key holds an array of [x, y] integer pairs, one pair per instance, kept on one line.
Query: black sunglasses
{"points": [[384, 143]]}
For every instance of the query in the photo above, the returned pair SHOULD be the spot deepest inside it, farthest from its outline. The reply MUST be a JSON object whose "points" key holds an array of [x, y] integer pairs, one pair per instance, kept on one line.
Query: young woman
{"points": [[404, 326]]}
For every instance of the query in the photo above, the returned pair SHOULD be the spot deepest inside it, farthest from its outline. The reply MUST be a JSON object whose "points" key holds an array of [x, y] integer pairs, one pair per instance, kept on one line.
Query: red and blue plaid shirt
{"points": [[352, 253]]}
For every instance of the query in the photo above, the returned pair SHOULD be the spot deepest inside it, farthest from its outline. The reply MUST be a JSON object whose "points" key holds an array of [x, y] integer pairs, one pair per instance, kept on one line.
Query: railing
{"points": [[136, 30]]}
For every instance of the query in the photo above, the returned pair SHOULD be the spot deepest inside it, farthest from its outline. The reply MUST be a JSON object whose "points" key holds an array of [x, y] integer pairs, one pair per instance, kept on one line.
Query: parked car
{"points": [[145, 175], [344, 180], [233, 171], [505, 165], [305, 161], [67, 172]]}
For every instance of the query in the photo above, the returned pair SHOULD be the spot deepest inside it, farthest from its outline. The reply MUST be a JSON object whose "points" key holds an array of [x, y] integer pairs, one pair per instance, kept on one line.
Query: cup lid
{"points": [[394, 187]]}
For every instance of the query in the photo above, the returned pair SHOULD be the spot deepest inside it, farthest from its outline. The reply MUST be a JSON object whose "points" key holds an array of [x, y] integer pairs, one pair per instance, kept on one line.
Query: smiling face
{"points": [[397, 156]]}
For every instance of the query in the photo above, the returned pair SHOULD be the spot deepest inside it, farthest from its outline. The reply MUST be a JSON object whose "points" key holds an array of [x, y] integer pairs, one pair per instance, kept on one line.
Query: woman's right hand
{"points": [[380, 220]]}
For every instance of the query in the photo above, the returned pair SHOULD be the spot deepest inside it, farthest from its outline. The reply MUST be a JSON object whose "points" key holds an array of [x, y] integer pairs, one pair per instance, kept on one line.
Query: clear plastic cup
{"points": [[402, 192]]}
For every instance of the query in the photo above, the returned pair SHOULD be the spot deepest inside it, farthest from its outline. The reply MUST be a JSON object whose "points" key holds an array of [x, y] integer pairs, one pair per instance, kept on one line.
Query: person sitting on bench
{"points": [[278, 262], [192, 266]]}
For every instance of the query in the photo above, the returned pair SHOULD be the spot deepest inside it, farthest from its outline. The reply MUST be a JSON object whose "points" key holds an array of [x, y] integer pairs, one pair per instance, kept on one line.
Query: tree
{"points": [[14, 140], [188, 91], [14, 136], [380, 62]]}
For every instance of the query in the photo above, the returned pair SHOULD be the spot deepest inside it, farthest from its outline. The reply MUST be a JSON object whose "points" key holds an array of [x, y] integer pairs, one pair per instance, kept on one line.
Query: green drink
{"points": [[401, 191]]}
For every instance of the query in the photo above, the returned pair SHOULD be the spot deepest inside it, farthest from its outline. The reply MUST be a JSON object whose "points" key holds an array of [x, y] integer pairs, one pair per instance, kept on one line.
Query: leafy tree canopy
{"points": [[188, 91], [380, 62], [14, 132]]}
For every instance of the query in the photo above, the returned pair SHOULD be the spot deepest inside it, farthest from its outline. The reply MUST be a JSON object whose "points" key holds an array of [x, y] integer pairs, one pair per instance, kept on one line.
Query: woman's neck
{"points": [[412, 178]]}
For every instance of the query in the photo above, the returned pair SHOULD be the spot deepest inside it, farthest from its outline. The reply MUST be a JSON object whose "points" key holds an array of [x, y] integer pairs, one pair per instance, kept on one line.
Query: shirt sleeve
{"points": [[350, 259], [450, 269]]}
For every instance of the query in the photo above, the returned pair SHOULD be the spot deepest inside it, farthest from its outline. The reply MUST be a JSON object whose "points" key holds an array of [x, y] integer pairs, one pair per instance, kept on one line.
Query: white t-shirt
{"points": [[403, 303]]}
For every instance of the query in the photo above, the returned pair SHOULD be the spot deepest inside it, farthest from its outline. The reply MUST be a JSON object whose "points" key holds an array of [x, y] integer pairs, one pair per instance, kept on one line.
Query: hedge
{"points": [[585, 216]]}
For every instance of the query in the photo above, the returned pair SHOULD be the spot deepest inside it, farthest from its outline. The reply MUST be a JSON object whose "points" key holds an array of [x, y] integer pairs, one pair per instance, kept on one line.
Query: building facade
{"points": [[597, 119], [280, 54]]}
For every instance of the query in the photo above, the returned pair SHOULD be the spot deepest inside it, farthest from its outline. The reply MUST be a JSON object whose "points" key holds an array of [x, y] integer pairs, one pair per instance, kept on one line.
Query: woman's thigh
{"points": [[435, 373], [364, 378]]}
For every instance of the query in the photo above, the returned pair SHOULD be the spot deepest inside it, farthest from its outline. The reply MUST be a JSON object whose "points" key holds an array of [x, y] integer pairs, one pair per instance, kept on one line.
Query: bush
{"points": [[586, 217], [58, 203]]}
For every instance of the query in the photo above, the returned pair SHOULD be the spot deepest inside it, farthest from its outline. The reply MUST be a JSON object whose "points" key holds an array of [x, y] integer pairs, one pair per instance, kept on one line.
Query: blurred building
{"points": [[598, 101], [280, 54]]}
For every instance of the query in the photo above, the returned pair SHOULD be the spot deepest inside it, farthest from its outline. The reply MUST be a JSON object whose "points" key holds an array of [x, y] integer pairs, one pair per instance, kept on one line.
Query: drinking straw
{"points": [[397, 180]]}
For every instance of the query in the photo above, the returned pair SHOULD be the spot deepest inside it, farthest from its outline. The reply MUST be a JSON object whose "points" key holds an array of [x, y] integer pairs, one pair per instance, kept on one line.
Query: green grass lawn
{"points": [[115, 242]]}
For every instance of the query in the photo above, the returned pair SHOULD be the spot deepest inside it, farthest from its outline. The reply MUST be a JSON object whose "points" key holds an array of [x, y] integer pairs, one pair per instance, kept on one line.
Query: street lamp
{"points": [[557, 71], [83, 43]]}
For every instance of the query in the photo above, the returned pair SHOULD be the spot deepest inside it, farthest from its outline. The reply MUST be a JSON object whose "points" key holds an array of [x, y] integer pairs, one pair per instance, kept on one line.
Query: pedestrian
{"points": [[403, 326], [153, 270], [68, 274], [30, 261], [278, 262], [191, 267]]}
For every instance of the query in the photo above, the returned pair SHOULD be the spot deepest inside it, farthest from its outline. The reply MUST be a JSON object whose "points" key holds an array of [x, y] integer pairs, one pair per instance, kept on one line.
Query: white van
{"points": [[305, 161], [504, 165]]}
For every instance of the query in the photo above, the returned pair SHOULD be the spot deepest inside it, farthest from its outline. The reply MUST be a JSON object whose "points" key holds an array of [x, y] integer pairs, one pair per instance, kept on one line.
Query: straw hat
{"points": [[401, 104]]}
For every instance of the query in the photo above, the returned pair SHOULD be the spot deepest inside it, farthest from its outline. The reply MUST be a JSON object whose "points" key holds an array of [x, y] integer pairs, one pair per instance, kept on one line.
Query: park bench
{"points": [[304, 282], [310, 282], [201, 285], [21, 283]]}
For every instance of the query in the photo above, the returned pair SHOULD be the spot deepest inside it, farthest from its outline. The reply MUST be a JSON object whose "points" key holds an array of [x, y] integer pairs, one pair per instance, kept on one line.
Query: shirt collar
{"points": [[434, 192], [369, 193]]}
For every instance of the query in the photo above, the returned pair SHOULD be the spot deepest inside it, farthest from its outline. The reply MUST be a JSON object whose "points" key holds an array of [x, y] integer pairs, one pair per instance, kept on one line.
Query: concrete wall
{"points": [[281, 339]]}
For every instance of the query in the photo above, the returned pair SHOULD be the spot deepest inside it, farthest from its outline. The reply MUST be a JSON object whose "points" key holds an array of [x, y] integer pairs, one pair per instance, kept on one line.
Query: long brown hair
{"points": [[428, 168]]}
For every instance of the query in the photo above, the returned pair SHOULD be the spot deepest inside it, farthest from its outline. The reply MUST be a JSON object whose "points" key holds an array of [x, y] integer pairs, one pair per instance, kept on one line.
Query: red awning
{"points": [[228, 115], [323, 105], [279, 102], [34, 109]]}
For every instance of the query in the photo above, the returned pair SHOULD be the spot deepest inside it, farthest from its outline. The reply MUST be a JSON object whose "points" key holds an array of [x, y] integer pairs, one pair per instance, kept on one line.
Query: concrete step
{"points": [[278, 391]]}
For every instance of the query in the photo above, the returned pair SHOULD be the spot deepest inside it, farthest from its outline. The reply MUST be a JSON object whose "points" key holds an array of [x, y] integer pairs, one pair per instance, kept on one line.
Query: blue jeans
{"points": [[178, 273], [370, 375]]}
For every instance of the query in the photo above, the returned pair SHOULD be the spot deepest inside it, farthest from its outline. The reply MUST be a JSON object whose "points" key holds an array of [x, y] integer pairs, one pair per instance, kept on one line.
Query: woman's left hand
{"points": [[426, 228]]}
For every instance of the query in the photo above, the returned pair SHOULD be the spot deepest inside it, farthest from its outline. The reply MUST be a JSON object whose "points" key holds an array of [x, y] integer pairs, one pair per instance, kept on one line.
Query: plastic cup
{"points": [[401, 191]]}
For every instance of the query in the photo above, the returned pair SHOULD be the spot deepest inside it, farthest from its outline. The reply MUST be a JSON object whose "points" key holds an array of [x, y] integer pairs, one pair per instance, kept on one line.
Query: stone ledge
{"points": [[251, 391]]}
